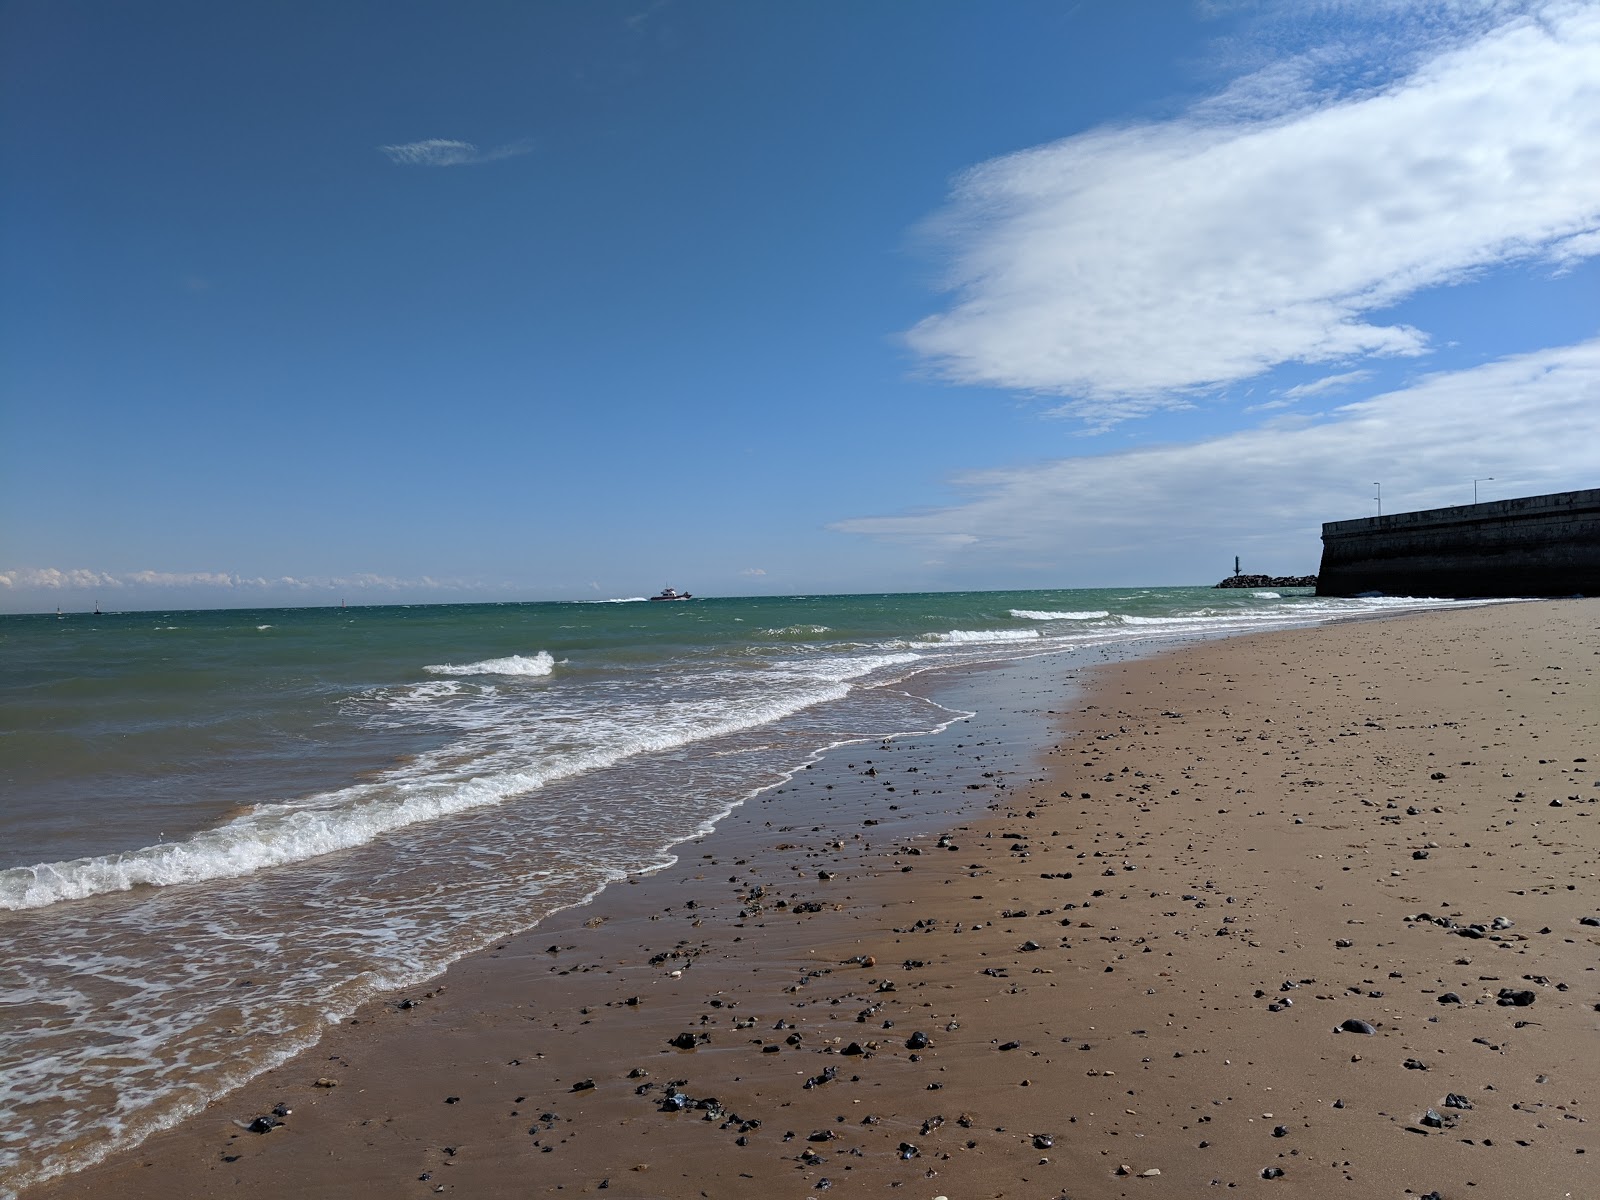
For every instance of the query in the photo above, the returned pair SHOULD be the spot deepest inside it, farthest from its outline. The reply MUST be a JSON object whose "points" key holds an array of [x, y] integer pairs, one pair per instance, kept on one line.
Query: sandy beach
{"points": [[1300, 913]]}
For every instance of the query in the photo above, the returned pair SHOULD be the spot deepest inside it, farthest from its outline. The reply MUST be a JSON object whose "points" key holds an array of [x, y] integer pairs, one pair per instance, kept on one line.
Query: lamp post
{"points": [[1476, 482], [1379, 497]]}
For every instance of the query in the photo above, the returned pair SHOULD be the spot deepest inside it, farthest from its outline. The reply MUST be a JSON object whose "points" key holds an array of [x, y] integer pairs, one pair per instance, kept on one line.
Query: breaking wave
{"points": [[277, 834], [974, 636], [540, 664], [1028, 614]]}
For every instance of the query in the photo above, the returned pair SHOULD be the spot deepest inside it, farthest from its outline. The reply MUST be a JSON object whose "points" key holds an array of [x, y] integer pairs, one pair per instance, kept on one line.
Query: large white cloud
{"points": [[1125, 267], [1178, 513]]}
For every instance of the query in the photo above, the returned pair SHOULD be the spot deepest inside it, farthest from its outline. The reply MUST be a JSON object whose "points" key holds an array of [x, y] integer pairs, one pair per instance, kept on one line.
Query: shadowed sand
{"points": [[1123, 975]]}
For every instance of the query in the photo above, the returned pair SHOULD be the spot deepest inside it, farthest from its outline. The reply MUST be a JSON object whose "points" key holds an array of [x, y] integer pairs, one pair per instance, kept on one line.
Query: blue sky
{"points": [[403, 301]]}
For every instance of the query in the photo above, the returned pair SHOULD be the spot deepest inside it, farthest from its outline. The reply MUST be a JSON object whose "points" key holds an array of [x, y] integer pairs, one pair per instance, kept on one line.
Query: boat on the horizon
{"points": [[668, 593]]}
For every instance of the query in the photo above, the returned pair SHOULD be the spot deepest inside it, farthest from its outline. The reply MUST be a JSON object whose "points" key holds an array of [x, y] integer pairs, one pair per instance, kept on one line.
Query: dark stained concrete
{"points": [[1532, 546]]}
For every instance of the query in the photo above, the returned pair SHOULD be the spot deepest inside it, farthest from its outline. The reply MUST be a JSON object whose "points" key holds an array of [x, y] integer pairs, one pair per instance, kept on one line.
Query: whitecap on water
{"points": [[972, 636], [1028, 614], [516, 664]]}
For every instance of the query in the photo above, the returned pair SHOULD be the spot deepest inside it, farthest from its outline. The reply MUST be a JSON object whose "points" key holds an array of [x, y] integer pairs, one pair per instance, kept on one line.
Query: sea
{"points": [[222, 830]]}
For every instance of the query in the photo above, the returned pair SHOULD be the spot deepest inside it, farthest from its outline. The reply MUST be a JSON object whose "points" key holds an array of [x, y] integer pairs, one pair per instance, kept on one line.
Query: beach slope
{"points": [[1309, 913]]}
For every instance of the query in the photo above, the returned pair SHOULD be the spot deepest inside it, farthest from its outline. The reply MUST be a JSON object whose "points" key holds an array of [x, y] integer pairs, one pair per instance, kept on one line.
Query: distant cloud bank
{"points": [[79, 579], [448, 152], [1268, 490], [1127, 268]]}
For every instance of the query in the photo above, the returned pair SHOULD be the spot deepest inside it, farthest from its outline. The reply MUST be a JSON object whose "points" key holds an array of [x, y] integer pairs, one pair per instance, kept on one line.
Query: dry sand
{"points": [[1123, 977]]}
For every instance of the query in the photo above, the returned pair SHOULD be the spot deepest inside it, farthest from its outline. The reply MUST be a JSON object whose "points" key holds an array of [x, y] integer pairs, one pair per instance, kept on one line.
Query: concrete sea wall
{"points": [[1532, 546]]}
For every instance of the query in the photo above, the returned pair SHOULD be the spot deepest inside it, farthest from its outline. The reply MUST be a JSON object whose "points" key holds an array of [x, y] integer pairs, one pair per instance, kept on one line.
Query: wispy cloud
{"points": [[638, 20], [448, 152], [1128, 267], [1328, 383], [1165, 513]]}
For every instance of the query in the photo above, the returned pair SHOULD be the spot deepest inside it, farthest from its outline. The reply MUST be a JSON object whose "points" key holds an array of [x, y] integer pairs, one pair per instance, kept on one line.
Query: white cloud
{"points": [[1178, 513], [78, 579], [753, 571], [1126, 267], [1577, 248], [448, 152], [637, 21], [161, 579], [1328, 383], [55, 579]]}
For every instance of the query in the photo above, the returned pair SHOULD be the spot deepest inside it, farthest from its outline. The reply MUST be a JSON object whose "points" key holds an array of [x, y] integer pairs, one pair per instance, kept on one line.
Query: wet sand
{"points": [[1112, 961]]}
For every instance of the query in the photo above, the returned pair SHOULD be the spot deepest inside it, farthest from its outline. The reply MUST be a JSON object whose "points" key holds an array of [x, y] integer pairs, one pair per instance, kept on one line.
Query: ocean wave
{"points": [[974, 636], [273, 835], [540, 664], [619, 600], [1267, 595], [838, 670], [798, 630], [1028, 614], [1378, 600]]}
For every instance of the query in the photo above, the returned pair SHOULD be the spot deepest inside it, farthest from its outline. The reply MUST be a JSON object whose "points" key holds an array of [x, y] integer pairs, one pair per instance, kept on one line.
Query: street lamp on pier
{"points": [[1476, 482], [1379, 497]]}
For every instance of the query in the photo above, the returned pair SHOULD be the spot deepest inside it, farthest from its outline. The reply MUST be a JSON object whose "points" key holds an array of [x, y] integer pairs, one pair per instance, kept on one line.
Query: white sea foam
{"points": [[1382, 601], [263, 626], [1027, 614], [540, 664], [441, 783], [620, 600], [976, 636], [1267, 595], [797, 630], [839, 670]]}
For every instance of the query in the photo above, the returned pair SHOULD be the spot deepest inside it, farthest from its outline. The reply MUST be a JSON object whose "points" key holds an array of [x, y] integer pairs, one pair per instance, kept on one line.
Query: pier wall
{"points": [[1532, 546]]}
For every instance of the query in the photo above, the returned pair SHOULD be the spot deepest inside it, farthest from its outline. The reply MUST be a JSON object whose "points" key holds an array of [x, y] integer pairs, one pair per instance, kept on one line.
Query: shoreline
{"points": [[513, 1034]]}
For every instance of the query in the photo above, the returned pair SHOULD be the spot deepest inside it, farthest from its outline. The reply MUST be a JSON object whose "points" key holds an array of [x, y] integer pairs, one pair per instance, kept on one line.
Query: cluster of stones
{"points": [[1254, 581]]}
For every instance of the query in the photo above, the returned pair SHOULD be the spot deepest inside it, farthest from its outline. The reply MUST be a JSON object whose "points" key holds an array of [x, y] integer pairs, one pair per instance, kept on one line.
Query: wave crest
{"points": [[972, 636], [516, 664], [1028, 614], [278, 834]]}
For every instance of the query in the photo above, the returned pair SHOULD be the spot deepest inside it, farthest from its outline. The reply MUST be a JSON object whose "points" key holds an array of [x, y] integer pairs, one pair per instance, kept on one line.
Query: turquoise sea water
{"points": [[220, 830]]}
